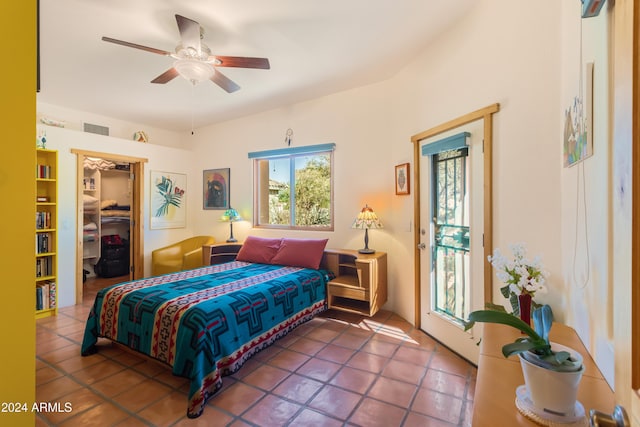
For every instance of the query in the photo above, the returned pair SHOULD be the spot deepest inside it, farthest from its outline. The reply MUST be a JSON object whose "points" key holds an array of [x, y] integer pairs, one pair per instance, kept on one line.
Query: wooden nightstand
{"points": [[360, 285], [219, 253]]}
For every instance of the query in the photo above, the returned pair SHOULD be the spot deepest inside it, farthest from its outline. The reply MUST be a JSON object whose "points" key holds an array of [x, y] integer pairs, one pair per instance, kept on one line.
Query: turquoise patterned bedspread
{"points": [[205, 323]]}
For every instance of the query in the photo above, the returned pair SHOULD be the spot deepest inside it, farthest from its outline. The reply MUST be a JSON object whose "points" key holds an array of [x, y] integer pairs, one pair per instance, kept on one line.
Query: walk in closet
{"points": [[107, 192]]}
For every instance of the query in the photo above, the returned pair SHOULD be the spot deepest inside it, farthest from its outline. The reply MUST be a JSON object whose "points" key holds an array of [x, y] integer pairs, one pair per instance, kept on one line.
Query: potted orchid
{"points": [[523, 279], [551, 371]]}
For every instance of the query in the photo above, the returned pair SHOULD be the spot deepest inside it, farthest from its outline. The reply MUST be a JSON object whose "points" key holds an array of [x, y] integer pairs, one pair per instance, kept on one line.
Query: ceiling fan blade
{"points": [[189, 32], [167, 76], [243, 62], [224, 82], [137, 46]]}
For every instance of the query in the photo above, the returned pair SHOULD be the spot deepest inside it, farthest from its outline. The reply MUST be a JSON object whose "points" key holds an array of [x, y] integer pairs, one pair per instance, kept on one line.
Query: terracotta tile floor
{"points": [[337, 370]]}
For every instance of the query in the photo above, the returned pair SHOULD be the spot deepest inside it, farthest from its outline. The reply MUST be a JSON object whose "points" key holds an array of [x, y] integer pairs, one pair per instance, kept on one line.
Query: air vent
{"points": [[100, 130]]}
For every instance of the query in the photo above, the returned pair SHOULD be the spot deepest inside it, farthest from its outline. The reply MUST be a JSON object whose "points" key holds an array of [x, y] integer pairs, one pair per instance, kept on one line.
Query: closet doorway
{"points": [[110, 219]]}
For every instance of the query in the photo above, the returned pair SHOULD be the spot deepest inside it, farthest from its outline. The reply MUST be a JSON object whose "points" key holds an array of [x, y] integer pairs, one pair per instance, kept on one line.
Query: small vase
{"points": [[524, 304]]}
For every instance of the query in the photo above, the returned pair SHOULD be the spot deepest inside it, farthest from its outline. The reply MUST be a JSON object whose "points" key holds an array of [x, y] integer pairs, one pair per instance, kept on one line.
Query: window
{"points": [[293, 188]]}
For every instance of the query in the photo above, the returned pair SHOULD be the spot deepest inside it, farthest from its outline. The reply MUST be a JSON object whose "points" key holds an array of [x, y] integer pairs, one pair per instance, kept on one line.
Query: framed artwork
{"points": [[215, 188], [578, 125], [403, 181], [168, 200]]}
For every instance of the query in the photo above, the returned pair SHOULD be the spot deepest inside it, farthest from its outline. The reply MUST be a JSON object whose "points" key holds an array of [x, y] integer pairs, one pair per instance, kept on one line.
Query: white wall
{"points": [[496, 54], [159, 158], [74, 120], [471, 66], [586, 192], [356, 121]]}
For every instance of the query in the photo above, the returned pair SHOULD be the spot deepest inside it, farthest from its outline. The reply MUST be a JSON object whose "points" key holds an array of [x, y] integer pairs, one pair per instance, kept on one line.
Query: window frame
{"points": [[292, 154]]}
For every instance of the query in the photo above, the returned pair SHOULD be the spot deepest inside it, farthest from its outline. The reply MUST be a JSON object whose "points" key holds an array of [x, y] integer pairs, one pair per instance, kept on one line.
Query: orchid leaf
{"points": [[517, 347], [515, 305], [505, 291], [557, 358], [542, 321], [492, 316]]}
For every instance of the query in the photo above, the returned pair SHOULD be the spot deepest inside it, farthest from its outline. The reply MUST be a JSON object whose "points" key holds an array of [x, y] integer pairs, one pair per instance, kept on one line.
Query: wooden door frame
{"points": [[486, 114], [635, 201], [137, 226]]}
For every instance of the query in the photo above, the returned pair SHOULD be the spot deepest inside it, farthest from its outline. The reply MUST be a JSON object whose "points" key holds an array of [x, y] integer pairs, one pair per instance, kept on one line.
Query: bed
{"points": [[205, 323]]}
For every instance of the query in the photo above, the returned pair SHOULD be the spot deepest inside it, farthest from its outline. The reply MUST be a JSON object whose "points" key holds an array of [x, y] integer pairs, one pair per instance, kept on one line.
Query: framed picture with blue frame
{"points": [[215, 188]]}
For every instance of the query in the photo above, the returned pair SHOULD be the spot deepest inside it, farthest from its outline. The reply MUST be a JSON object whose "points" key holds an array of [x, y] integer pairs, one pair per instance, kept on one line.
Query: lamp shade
{"points": [[230, 215], [193, 70], [366, 219]]}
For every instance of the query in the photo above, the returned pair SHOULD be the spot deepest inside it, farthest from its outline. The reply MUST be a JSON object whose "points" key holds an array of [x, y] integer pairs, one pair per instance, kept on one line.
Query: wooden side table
{"points": [[360, 285], [220, 252]]}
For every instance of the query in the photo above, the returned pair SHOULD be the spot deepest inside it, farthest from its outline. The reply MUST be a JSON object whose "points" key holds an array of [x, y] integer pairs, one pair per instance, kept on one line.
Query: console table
{"points": [[498, 378]]}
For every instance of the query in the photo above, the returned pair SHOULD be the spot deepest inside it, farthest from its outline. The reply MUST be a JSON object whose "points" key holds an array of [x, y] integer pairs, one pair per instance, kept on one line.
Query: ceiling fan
{"points": [[193, 58]]}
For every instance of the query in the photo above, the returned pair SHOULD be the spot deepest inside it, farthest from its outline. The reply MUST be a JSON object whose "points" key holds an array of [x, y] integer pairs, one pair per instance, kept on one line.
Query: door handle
{"points": [[422, 246], [619, 418]]}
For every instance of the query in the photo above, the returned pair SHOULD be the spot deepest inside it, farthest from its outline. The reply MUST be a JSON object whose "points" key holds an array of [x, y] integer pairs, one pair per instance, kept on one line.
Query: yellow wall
{"points": [[17, 322]]}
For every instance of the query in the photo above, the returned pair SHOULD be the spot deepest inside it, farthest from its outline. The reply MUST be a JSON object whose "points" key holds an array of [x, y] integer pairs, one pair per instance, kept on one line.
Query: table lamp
{"points": [[231, 215], [366, 219]]}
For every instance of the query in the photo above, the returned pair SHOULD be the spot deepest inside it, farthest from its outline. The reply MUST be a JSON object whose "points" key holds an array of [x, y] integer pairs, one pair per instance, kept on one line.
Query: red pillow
{"points": [[305, 253], [258, 250]]}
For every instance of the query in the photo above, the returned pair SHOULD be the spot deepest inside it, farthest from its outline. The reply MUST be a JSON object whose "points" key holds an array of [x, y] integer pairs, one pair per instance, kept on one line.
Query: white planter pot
{"points": [[551, 391]]}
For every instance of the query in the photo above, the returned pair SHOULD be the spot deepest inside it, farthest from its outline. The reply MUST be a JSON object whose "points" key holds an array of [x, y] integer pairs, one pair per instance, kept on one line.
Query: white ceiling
{"points": [[315, 47]]}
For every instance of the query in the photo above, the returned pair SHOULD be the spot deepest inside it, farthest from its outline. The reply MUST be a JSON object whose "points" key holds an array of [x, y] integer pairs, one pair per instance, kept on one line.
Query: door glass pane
{"points": [[451, 235]]}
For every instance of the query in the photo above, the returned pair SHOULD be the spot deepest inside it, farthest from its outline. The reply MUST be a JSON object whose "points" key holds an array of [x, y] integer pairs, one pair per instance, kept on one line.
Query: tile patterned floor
{"points": [[336, 370]]}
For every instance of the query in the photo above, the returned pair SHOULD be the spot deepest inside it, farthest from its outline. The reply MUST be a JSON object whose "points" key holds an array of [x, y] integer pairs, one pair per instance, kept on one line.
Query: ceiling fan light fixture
{"points": [[193, 70], [193, 60]]}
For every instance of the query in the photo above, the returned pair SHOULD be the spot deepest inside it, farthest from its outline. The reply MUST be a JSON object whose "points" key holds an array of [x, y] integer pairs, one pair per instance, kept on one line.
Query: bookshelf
{"points": [[46, 239]]}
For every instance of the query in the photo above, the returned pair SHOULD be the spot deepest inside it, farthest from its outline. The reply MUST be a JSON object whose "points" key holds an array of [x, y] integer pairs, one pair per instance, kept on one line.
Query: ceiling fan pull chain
{"points": [[193, 102]]}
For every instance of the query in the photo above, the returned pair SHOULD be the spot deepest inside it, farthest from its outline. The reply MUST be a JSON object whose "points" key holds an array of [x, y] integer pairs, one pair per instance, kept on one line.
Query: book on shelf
{"points": [[43, 220], [43, 266], [45, 295], [43, 243], [52, 294], [38, 297], [42, 199], [43, 171]]}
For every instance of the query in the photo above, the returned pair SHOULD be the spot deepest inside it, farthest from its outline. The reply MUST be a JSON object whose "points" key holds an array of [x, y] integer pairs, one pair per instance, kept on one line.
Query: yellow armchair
{"points": [[184, 255]]}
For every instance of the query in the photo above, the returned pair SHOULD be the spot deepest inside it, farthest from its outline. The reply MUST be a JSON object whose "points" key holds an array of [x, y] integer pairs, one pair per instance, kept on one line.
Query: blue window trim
{"points": [[453, 142], [292, 150]]}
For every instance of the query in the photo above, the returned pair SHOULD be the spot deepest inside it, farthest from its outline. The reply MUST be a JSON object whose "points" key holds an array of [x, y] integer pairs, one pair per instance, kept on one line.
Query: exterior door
{"points": [[451, 218]]}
